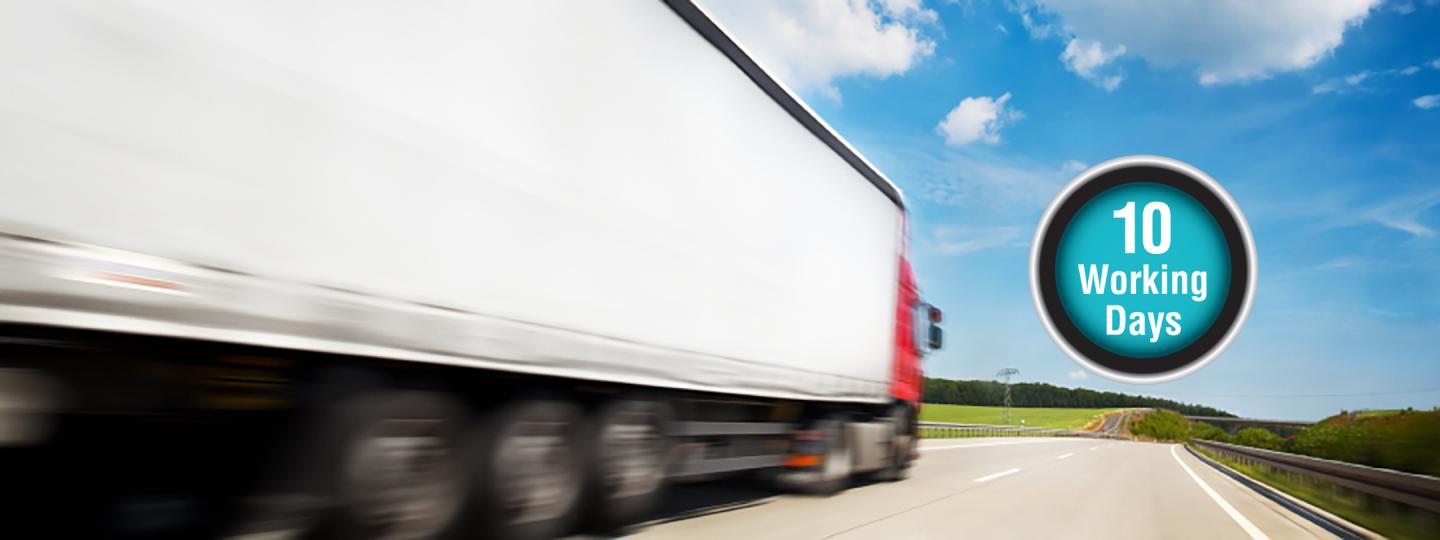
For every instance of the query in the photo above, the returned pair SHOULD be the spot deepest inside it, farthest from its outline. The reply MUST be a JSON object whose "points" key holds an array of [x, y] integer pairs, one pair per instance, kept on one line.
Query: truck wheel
{"points": [[832, 475], [626, 439], [526, 472], [901, 446], [396, 475]]}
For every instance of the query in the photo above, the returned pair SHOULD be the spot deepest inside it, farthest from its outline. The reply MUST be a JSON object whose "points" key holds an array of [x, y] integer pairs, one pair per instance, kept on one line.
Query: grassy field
{"points": [[1362, 415], [1033, 417]]}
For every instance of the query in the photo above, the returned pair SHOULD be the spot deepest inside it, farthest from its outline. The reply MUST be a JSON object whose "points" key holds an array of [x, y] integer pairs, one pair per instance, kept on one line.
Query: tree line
{"points": [[992, 393]]}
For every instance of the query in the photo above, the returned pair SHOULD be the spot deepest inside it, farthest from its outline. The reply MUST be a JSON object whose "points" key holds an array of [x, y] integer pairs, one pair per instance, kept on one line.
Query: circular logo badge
{"points": [[1143, 269]]}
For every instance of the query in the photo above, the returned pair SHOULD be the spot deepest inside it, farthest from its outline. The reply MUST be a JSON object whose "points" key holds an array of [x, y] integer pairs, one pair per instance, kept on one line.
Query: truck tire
{"points": [[629, 454], [395, 471], [903, 444], [526, 471]]}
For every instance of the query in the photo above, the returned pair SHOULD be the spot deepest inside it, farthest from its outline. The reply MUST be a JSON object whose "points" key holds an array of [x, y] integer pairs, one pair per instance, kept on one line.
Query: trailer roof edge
{"points": [[713, 32]]}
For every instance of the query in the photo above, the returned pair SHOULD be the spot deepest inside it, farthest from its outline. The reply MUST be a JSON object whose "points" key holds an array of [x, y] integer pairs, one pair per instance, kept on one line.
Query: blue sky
{"points": [[1321, 117]]}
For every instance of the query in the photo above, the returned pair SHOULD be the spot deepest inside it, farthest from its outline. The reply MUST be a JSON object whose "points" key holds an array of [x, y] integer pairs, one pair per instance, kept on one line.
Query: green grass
{"points": [[1033, 416], [1393, 521], [1378, 413]]}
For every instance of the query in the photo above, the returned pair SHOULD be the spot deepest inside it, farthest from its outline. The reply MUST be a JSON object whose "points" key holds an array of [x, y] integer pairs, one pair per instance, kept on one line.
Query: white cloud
{"points": [[1341, 85], [910, 10], [981, 181], [1435, 63], [1427, 102], [1354, 81], [992, 188], [1224, 41], [810, 43], [1073, 166], [1403, 213], [977, 119], [1085, 58], [956, 240], [1078, 375], [1001, 28], [1037, 29], [1345, 262]]}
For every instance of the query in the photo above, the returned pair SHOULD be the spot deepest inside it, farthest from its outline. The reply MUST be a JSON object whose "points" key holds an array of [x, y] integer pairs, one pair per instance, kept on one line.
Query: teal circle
{"points": [[1096, 237]]}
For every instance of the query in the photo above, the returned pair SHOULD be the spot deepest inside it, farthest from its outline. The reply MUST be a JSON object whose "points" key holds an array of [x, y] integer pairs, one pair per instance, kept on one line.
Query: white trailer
{"points": [[524, 223]]}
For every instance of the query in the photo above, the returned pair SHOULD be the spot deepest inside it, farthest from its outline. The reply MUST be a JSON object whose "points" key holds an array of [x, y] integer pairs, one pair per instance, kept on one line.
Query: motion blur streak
{"points": [[377, 270]]}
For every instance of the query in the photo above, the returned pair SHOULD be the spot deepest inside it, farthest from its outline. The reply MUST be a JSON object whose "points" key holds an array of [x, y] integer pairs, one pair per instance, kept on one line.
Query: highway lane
{"points": [[1000, 488], [1115, 424]]}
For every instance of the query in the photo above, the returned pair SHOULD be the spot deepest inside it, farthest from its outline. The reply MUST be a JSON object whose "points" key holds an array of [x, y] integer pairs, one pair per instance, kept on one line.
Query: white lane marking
{"points": [[1066, 455], [1250, 528], [982, 445], [990, 477], [1096, 447]]}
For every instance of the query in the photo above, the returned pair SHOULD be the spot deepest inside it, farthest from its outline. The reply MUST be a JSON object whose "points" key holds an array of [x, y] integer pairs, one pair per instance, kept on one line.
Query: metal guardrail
{"points": [[1415, 490], [949, 430]]}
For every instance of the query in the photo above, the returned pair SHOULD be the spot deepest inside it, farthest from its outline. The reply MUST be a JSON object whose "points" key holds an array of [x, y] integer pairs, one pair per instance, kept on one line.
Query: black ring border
{"points": [[1236, 244]]}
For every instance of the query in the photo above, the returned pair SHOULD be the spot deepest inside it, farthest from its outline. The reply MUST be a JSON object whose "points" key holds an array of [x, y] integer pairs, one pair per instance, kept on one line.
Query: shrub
{"points": [[1162, 425], [1259, 438], [1405, 442], [1202, 430]]}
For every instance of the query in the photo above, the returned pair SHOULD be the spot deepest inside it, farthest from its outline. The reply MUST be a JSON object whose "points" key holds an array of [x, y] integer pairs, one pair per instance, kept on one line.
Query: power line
{"points": [[1300, 396]]}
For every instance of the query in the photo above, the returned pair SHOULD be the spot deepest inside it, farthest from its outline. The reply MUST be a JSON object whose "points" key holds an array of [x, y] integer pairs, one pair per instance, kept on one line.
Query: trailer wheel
{"points": [[396, 472], [630, 453], [526, 471]]}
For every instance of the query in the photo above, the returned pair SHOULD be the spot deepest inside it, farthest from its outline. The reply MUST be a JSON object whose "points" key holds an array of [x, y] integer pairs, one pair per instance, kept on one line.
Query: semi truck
{"points": [[461, 269]]}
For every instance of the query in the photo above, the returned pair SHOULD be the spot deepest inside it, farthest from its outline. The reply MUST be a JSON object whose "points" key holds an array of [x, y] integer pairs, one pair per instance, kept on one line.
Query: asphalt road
{"points": [[1115, 423], [999, 488]]}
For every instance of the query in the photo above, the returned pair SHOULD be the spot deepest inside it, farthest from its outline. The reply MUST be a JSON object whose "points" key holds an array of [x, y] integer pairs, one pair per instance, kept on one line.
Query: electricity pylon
{"points": [[1005, 375]]}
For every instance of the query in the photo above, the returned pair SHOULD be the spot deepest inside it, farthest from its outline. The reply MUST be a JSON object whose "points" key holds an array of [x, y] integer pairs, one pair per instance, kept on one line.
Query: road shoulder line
{"points": [[1320, 517], [1250, 528]]}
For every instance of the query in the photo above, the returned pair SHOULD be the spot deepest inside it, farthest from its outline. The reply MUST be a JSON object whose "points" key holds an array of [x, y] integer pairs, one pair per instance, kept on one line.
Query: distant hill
{"points": [[1404, 440], [1048, 395]]}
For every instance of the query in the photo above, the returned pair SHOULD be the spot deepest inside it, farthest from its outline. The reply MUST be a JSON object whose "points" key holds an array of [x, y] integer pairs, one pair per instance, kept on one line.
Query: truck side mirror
{"points": [[927, 332]]}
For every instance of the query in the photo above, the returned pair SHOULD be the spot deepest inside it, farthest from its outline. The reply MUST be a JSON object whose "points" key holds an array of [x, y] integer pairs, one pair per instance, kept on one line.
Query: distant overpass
{"points": [[1218, 420]]}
